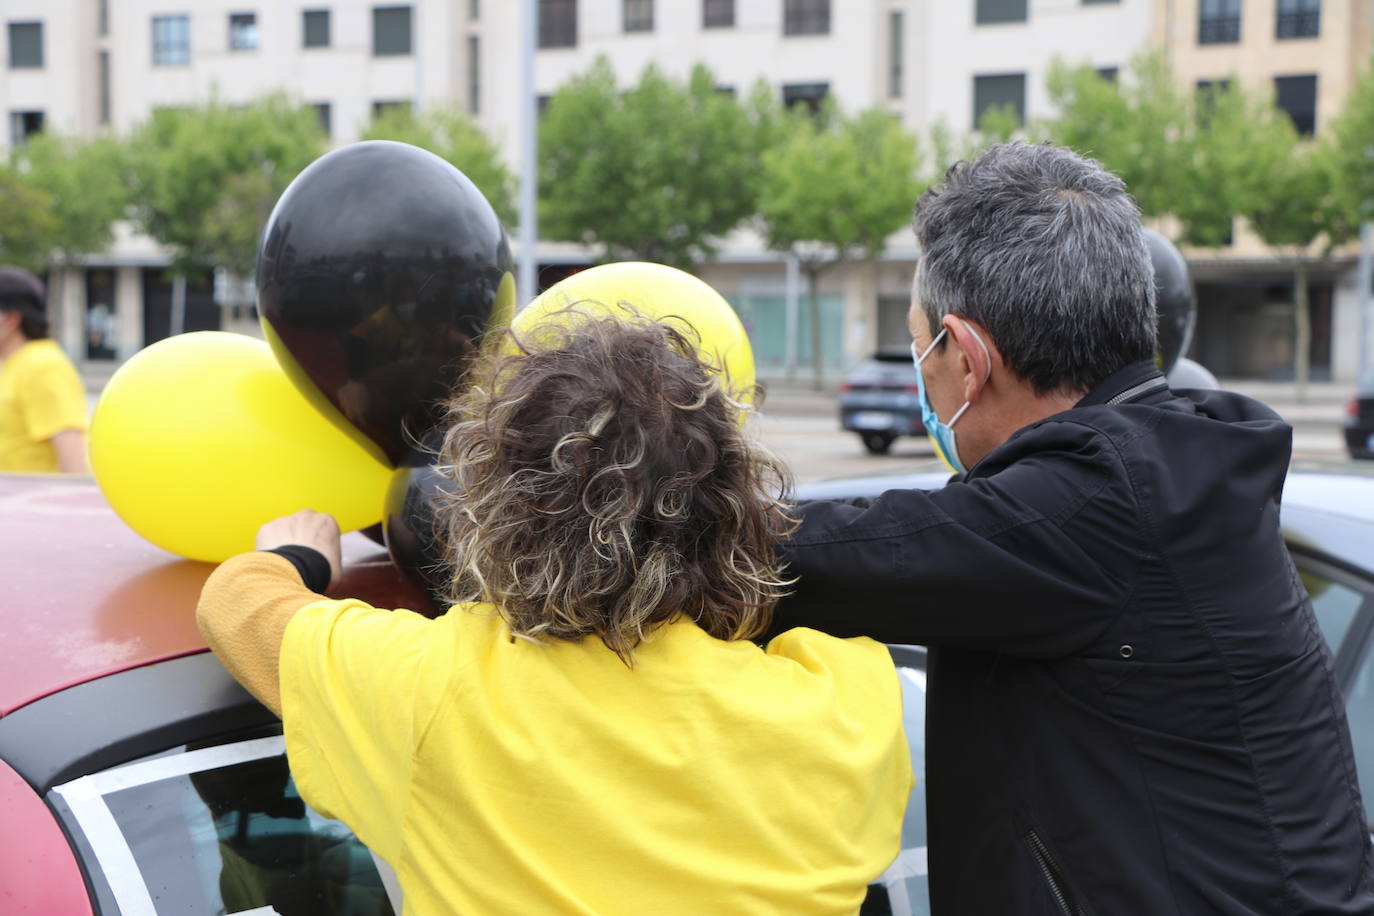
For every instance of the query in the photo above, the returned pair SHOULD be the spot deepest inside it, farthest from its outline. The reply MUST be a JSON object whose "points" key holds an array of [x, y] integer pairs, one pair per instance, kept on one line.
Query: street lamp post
{"points": [[529, 163]]}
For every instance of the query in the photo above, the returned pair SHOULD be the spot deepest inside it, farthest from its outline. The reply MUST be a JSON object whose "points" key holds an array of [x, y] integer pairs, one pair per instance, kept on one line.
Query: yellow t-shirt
{"points": [[503, 776], [40, 396]]}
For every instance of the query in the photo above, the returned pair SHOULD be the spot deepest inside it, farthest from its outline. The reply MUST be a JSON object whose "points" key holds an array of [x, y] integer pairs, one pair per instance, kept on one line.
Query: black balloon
{"points": [[1174, 300], [381, 268], [413, 537]]}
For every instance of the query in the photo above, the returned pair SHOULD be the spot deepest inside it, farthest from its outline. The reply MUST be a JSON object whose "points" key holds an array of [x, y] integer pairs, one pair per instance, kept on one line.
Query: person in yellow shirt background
{"points": [[42, 401], [589, 729]]}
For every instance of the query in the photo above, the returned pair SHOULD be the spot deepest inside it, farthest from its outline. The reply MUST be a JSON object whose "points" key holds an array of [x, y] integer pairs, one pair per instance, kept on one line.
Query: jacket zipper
{"points": [[1052, 875]]}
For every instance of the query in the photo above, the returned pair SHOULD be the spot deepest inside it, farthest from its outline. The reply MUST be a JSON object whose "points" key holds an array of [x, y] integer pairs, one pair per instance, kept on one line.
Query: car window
{"points": [[1338, 599], [1359, 709], [1335, 604], [222, 830]]}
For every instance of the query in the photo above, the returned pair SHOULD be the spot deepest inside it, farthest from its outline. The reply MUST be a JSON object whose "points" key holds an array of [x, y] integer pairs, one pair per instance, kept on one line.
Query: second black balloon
{"points": [[381, 268]]}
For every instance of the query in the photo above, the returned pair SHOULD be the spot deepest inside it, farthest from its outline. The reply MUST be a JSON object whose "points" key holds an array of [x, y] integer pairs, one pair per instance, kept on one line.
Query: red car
{"points": [[135, 775]]}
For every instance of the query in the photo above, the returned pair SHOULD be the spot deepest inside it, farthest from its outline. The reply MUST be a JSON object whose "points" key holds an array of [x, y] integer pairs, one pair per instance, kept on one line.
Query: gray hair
{"points": [[1044, 249]]}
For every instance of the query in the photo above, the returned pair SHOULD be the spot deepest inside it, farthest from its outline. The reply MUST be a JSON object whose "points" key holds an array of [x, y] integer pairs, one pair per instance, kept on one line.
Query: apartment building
{"points": [[1308, 54], [91, 66]]}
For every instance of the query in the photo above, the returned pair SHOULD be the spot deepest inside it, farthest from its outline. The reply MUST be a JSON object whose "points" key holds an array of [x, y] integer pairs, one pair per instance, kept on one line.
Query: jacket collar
{"points": [[1129, 383]]}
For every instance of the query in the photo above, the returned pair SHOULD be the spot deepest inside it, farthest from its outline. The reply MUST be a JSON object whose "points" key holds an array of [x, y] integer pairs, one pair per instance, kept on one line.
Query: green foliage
{"points": [[451, 135], [28, 233], [1133, 126], [1350, 156], [839, 184], [84, 182], [657, 172], [203, 180], [997, 125]]}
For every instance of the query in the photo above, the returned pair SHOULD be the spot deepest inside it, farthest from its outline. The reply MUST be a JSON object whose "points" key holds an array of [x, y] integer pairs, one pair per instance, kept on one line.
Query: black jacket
{"points": [[1130, 706]]}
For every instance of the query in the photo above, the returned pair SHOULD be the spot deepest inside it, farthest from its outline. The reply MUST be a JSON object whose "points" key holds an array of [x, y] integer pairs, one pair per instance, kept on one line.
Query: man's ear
{"points": [[977, 354]]}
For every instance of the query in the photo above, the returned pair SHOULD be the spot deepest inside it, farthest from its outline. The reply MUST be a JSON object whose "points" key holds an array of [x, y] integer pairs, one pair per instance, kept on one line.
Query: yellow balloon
{"points": [[201, 438], [661, 292]]}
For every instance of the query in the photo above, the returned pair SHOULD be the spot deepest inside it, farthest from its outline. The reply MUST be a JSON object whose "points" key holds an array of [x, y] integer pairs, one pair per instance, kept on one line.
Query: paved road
{"points": [[802, 426]]}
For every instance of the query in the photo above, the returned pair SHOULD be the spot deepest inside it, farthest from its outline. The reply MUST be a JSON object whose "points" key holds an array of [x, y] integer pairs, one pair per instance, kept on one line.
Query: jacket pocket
{"points": [[1053, 875]]}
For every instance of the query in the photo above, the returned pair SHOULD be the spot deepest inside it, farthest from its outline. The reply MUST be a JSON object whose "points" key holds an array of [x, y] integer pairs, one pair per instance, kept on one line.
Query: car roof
{"points": [[1328, 504], [84, 596]]}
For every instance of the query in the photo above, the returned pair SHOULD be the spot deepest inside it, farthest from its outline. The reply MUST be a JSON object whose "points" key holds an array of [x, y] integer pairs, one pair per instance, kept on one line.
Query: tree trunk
{"points": [[58, 329], [178, 319], [1302, 320], [813, 278]]}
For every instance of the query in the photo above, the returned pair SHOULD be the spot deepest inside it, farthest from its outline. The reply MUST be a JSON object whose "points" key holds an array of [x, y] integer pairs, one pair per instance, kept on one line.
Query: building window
{"points": [[387, 106], [999, 90], [1207, 92], [102, 18], [991, 12], [324, 113], [718, 14], [474, 75], [809, 95], [727, 91], [315, 29], [894, 54], [1297, 97], [1298, 19], [23, 125], [1218, 22], [806, 17], [26, 45], [103, 89], [390, 31], [474, 10], [171, 41], [557, 23], [1108, 74], [638, 15], [243, 31], [1098, 2]]}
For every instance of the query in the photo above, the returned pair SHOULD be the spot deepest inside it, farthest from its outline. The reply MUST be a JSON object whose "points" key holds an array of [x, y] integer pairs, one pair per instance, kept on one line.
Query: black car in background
{"points": [[1359, 419], [879, 400]]}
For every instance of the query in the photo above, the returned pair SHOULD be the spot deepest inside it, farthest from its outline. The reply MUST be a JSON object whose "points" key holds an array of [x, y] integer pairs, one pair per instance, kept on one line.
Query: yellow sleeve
{"points": [[52, 399], [351, 683], [867, 689], [244, 608]]}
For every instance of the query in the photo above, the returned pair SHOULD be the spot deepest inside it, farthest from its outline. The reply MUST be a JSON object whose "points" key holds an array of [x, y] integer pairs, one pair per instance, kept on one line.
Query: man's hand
{"points": [[308, 529]]}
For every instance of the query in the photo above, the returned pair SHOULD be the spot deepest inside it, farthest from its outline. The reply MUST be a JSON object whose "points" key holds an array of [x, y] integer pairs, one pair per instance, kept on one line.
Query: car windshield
{"points": [[221, 829]]}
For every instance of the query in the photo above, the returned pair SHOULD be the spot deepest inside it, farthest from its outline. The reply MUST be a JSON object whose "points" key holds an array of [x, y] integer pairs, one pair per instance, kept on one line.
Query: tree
{"points": [[658, 172], [452, 136], [833, 189], [1350, 152], [29, 229], [1132, 126], [203, 180], [83, 181]]}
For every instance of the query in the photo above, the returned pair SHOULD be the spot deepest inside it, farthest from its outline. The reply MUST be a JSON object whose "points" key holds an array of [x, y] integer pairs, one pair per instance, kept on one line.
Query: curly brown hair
{"points": [[602, 484]]}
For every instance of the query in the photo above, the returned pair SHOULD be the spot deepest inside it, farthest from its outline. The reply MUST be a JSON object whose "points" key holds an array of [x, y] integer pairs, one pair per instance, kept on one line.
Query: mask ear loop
{"points": [[987, 354]]}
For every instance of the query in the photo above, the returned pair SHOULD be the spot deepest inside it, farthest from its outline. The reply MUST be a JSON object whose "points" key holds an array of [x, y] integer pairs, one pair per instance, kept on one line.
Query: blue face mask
{"points": [[941, 434]]}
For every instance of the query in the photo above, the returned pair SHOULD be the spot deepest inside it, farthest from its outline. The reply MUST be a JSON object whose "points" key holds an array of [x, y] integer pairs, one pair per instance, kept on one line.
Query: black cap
{"points": [[20, 289]]}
